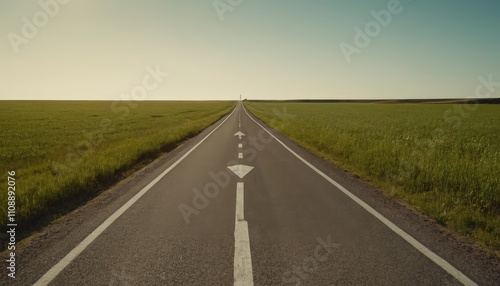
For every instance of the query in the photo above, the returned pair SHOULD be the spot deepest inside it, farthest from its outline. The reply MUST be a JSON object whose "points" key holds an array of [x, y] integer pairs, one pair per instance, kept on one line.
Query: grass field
{"points": [[444, 159], [63, 152]]}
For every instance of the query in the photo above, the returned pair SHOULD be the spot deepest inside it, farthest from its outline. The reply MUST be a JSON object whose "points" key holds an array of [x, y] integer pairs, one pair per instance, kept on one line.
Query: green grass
{"points": [[442, 158], [64, 152]]}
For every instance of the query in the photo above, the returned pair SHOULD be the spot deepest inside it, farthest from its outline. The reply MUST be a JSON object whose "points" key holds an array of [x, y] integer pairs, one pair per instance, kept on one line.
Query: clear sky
{"points": [[288, 49]]}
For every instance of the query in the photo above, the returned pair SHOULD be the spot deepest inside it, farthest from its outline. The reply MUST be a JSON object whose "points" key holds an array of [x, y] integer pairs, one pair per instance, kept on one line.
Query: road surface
{"points": [[241, 205]]}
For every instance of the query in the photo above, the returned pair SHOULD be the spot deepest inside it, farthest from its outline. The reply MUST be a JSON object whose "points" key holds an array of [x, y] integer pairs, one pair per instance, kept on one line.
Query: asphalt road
{"points": [[255, 210]]}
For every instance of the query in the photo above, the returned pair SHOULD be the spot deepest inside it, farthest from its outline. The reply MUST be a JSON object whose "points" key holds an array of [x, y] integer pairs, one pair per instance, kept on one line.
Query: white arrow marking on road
{"points": [[240, 170], [239, 133]]}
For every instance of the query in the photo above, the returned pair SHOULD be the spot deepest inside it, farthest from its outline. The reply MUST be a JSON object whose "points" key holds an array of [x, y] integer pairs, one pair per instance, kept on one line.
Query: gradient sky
{"points": [[288, 49]]}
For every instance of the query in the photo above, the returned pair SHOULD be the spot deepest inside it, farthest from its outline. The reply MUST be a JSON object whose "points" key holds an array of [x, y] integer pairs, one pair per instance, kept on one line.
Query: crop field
{"points": [[444, 159], [63, 151]]}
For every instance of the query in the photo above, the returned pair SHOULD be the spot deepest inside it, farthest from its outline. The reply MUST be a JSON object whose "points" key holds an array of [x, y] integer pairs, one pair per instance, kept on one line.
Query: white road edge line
{"points": [[56, 269], [243, 274], [420, 247]]}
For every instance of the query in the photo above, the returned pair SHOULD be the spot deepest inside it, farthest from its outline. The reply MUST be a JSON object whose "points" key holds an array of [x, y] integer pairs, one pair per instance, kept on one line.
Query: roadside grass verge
{"points": [[444, 159], [66, 152]]}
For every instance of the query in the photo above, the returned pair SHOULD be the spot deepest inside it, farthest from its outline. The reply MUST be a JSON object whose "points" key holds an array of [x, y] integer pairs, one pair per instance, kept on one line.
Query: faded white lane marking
{"points": [[240, 145], [240, 202], [243, 274], [240, 155]]}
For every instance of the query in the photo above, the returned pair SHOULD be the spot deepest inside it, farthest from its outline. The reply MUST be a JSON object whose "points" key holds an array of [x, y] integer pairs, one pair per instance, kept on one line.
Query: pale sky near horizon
{"points": [[288, 49]]}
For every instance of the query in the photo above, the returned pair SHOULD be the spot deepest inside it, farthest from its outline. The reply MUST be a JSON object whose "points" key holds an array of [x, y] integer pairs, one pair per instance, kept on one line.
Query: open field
{"points": [[64, 151], [444, 159]]}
